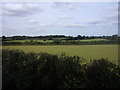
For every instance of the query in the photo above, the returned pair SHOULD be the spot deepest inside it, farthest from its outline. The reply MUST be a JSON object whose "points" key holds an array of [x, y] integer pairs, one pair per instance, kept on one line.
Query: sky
{"points": [[59, 18]]}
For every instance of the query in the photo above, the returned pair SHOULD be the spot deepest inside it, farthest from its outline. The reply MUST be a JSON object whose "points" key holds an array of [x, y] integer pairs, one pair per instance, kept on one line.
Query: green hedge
{"points": [[60, 42], [34, 71]]}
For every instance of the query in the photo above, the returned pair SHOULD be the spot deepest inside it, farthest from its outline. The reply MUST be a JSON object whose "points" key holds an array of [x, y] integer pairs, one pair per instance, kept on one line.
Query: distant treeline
{"points": [[58, 39], [59, 42], [22, 71], [63, 37]]}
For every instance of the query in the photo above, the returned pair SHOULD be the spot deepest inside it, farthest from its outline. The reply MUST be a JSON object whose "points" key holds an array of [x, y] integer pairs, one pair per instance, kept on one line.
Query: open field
{"points": [[89, 40], [86, 51]]}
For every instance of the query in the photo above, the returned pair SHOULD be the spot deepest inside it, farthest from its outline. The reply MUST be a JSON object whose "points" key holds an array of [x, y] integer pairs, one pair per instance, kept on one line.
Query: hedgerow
{"points": [[22, 70]]}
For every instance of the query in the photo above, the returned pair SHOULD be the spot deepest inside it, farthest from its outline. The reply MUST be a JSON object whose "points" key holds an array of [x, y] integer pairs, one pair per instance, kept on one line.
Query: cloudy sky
{"points": [[59, 18]]}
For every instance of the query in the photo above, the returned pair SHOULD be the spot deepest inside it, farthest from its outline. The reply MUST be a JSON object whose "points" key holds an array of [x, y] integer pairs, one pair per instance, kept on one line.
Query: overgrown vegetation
{"points": [[30, 70]]}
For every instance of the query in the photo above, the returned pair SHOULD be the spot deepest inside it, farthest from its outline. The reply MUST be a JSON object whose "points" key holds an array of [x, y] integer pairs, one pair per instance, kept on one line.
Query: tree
{"points": [[57, 41], [3, 38], [79, 37]]}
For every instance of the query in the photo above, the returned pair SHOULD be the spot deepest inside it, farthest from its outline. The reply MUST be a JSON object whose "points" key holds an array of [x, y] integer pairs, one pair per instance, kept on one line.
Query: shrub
{"points": [[102, 74], [30, 71]]}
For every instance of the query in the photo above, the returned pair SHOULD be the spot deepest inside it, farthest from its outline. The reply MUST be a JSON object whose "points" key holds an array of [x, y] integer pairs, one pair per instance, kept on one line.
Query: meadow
{"points": [[87, 52], [89, 40]]}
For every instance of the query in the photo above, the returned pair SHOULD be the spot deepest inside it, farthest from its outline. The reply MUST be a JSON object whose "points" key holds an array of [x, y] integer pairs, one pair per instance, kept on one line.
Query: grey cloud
{"points": [[113, 8], [47, 25], [75, 25], [66, 17], [96, 22], [63, 6], [32, 22], [66, 5], [112, 17], [9, 30], [100, 22], [20, 9], [113, 12]]}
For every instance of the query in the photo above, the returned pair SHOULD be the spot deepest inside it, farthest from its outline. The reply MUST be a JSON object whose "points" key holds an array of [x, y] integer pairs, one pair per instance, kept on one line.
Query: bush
{"points": [[57, 41], [30, 70], [102, 74]]}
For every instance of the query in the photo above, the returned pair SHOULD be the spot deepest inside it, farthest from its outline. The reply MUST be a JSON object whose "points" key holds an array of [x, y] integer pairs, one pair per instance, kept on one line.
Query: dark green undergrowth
{"points": [[33, 71], [59, 42]]}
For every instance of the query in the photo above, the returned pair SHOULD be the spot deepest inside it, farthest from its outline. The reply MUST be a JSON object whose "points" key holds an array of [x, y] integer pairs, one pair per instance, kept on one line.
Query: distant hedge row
{"points": [[34, 71], [59, 42]]}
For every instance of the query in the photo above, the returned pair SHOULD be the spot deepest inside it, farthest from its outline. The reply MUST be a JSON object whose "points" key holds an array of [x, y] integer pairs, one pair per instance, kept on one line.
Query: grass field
{"points": [[86, 51], [89, 40]]}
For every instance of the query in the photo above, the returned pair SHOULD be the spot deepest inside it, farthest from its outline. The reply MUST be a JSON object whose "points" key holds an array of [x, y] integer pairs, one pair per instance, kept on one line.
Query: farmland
{"points": [[78, 62], [45, 41], [59, 44], [86, 51], [73, 61], [89, 40]]}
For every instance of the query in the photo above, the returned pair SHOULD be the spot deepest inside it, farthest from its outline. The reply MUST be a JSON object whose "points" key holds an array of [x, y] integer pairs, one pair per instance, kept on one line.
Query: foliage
{"points": [[30, 71], [60, 42], [102, 74], [59, 39]]}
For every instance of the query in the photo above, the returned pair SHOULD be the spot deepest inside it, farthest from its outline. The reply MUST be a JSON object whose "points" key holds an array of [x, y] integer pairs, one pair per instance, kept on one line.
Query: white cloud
{"points": [[62, 0], [112, 12], [20, 9], [64, 6], [113, 16], [47, 25], [75, 25], [32, 21], [96, 22], [113, 8], [65, 17]]}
